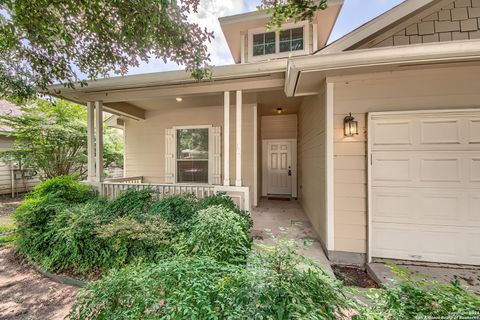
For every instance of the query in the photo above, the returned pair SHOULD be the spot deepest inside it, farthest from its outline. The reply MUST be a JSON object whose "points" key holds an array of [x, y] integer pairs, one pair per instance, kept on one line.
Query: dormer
{"points": [[250, 41]]}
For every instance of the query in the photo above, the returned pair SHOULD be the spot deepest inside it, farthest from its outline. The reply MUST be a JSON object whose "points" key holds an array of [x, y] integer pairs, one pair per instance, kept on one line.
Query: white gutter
{"points": [[454, 51]]}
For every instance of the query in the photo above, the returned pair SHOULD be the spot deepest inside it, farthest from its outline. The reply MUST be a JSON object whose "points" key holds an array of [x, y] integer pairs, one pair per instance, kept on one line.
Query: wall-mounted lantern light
{"points": [[279, 110], [350, 126]]}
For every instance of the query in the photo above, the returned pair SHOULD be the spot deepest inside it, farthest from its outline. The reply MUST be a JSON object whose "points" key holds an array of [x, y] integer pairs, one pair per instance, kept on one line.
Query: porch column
{"points": [[226, 138], [238, 126], [90, 141], [99, 141]]}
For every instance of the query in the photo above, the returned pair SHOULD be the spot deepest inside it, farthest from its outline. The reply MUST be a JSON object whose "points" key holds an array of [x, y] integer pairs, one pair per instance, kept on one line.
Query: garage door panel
{"points": [[440, 131], [426, 206], [426, 169], [388, 133], [425, 186], [425, 243], [474, 131]]}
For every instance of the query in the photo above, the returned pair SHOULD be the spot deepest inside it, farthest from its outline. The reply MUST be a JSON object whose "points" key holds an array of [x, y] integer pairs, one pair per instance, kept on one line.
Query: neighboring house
{"points": [[399, 180], [14, 178]]}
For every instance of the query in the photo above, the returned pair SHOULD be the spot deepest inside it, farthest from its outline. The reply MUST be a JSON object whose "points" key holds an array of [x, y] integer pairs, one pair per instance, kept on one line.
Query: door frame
{"points": [[293, 143]]}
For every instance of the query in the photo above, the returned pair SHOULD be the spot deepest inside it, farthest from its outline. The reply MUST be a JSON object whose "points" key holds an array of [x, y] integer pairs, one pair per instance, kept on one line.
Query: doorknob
{"points": [[289, 172]]}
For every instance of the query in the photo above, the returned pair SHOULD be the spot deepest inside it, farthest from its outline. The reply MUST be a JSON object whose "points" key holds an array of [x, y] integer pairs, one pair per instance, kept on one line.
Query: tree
{"points": [[44, 42], [282, 11], [51, 137]]}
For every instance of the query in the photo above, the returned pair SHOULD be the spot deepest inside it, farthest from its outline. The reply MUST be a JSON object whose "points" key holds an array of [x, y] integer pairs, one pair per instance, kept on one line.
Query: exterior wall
{"points": [[21, 185], [460, 20], [279, 127], [442, 88], [145, 139], [311, 162]]}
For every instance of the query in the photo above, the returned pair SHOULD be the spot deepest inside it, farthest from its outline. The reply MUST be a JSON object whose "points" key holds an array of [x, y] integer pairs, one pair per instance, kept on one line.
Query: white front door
{"points": [[279, 167]]}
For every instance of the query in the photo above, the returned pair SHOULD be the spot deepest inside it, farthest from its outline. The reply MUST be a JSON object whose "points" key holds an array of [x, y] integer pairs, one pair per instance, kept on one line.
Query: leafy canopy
{"points": [[44, 42], [51, 137], [282, 11]]}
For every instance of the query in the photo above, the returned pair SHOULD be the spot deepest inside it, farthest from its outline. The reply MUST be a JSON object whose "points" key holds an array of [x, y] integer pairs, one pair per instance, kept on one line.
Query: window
{"points": [[264, 43], [192, 155], [291, 40]]}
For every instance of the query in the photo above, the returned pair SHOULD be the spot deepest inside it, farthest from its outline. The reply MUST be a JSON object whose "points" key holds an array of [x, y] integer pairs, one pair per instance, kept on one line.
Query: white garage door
{"points": [[425, 186]]}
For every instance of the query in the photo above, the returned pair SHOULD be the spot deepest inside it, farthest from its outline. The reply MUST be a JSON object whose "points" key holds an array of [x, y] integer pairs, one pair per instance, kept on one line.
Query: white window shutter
{"points": [[170, 155], [215, 156]]}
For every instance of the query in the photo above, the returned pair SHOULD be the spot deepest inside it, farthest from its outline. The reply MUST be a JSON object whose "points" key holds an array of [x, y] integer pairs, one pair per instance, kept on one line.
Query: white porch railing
{"points": [[128, 180], [114, 187]]}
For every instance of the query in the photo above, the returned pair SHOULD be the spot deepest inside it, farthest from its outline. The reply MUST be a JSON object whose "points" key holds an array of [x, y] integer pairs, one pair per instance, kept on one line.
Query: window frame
{"points": [[209, 163], [306, 42]]}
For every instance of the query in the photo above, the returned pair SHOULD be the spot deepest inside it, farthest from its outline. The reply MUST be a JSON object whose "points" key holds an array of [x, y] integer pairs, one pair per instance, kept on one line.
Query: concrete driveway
{"points": [[468, 276]]}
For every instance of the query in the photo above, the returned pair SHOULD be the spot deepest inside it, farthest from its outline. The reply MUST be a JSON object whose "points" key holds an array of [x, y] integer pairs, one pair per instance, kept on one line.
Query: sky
{"points": [[354, 13]]}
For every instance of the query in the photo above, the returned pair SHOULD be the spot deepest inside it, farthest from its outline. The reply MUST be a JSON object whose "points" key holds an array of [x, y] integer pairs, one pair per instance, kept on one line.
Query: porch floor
{"points": [[277, 219]]}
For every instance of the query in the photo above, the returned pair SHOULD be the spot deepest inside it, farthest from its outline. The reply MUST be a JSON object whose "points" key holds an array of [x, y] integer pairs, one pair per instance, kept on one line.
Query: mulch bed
{"points": [[354, 276]]}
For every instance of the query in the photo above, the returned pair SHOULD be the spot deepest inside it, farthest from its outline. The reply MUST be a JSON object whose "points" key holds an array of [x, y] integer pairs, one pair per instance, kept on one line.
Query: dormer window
{"points": [[291, 40], [264, 43]]}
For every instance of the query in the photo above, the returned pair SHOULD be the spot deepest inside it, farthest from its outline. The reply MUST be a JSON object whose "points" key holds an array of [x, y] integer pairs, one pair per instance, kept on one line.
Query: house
{"points": [[14, 178], [377, 134]]}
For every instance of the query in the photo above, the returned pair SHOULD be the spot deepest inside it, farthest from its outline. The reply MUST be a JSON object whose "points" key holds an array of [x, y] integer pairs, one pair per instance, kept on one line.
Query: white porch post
{"points": [[226, 138], [91, 141], [99, 142], [238, 126]]}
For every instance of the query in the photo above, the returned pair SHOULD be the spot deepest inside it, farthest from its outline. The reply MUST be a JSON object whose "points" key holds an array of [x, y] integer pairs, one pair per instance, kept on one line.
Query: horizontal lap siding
{"points": [[443, 88], [311, 161]]}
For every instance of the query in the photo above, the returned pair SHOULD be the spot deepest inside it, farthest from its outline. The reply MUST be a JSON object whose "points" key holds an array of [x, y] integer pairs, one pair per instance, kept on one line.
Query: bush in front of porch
{"points": [[64, 227]]}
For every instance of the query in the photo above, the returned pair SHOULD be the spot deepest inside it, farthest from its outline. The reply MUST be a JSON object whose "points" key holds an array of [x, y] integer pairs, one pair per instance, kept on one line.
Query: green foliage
{"points": [[420, 298], [274, 285], [177, 209], [133, 241], [130, 203], [45, 42], [66, 188], [218, 233], [51, 137], [72, 242], [281, 11], [223, 200]]}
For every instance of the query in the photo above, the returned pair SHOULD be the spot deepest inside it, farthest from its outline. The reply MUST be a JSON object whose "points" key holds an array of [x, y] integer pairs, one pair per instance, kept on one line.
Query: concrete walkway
{"points": [[277, 219], [468, 276]]}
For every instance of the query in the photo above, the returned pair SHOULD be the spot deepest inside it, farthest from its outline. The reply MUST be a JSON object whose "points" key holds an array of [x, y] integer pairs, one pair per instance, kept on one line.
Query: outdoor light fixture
{"points": [[279, 110], [350, 126], [179, 99]]}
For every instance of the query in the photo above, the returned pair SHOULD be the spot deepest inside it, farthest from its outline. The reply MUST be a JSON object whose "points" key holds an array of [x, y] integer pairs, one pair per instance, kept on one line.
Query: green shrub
{"points": [[66, 188], [130, 203], [272, 286], [132, 240], [421, 298], [177, 209], [218, 233], [40, 208], [223, 200], [72, 242]]}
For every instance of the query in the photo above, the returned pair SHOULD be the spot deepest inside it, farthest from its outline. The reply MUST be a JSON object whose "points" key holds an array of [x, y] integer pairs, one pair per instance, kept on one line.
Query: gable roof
{"points": [[400, 14]]}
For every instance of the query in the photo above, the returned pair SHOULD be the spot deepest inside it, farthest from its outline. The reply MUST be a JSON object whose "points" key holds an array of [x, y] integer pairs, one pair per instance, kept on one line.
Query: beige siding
{"points": [[459, 20], [279, 127], [445, 88], [145, 139], [21, 185], [311, 161]]}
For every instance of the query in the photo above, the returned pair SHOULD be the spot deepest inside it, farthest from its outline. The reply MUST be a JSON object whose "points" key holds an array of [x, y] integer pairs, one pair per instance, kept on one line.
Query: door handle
{"points": [[289, 172]]}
